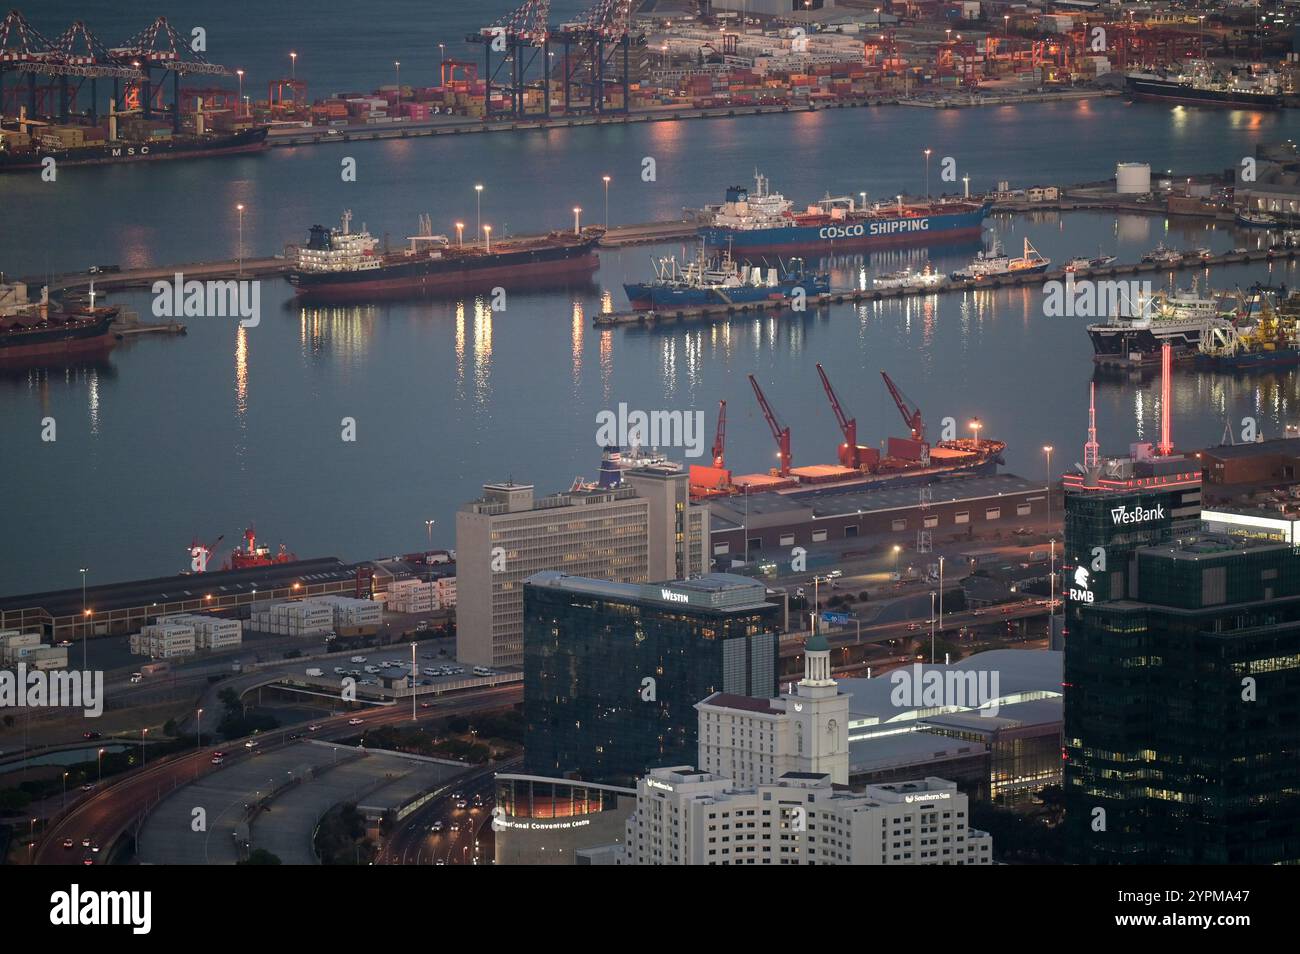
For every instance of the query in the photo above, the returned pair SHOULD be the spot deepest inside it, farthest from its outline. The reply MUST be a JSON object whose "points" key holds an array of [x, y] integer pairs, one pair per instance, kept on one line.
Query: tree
{"points": [[260, 856]]}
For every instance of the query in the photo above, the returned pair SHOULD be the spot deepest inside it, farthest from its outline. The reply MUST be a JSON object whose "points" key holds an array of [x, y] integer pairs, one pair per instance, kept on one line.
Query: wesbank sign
{"points": [[1139, 514]]}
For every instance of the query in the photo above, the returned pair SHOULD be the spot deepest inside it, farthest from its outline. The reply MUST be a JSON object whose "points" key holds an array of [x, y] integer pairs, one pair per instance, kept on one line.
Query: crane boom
{"points": [[780, 434], [720, 438], [848, 425], [911, 415]]}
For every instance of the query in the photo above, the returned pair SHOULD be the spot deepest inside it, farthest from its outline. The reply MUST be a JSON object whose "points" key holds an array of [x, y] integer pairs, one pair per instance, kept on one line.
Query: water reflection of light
{"points": [[482, 349], [1139, 412], [693, 346], [607, 302], [575, 337], [668, 363], [92, 400], [460, 346], [345, 329], [606, 362], [241, 372]]}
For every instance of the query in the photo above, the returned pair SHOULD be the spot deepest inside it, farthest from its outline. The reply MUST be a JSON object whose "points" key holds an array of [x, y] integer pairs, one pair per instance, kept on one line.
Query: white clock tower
{"points": [[819, 714]]}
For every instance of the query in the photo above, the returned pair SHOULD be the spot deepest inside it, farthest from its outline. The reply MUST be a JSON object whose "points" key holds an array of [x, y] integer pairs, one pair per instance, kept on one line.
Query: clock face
{"points": [[832, 725], [798, 707]]}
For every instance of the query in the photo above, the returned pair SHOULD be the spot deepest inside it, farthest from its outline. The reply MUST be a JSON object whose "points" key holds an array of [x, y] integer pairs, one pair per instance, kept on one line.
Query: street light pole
{"points": [[414, 673], [932, 627], [927, 173], [478, 200], [606, 178], [240, 252], [84, 619], [429, 526], [1047, 449]]}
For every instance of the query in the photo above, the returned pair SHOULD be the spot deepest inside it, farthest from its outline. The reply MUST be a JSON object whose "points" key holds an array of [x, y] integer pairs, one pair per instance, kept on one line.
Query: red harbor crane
{"points": [[720, 438], [911, 413], [848, 452], [779, 433]]}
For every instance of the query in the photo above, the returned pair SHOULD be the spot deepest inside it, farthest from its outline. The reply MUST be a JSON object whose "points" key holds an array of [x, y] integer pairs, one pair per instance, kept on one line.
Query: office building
{"points": [[1182, 700], [685, 816], [643, 529], [612, 671]]}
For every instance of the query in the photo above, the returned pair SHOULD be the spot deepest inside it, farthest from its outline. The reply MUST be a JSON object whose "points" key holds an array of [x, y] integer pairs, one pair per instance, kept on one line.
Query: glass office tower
{"points": [[1182, 714], [612, 671]]}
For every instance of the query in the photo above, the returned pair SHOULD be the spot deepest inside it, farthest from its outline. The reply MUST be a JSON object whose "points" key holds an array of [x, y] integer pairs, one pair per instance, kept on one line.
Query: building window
{"points": [[898, 525], [961, 516], [787, 539], [993, 513], [819, 536]]}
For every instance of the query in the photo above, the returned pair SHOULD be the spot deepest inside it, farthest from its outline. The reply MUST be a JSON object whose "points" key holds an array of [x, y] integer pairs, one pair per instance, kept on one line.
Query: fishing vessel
{"points": [[1254, 219], [1084, 264], [759, 220], [1200, 83], [911, 279], [995, 262], [1163, 255], [1180, 318], [338, 264], [722, 280]]}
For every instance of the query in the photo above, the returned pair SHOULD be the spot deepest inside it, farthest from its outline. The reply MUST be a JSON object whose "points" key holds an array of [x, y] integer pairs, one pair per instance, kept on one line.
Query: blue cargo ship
{"points": [[765, 221], [723, 281]]}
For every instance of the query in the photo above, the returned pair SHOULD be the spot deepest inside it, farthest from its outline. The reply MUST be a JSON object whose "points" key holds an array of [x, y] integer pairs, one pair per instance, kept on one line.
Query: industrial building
{"points": [[643, 529], [116, 609], [753, 525], [612, 671], [1230, 470]]}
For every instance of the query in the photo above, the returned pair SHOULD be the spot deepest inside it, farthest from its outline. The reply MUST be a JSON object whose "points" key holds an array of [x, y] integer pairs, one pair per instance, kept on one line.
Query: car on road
{"points": [[913, 627], [88, 787], [64, 643], [251, 744], [85, 842], [426, 705], [357, 659], [356, 721], [455, 826], [436, 826], [91, 735], [313, 727], [834, 574], [69, 843]]}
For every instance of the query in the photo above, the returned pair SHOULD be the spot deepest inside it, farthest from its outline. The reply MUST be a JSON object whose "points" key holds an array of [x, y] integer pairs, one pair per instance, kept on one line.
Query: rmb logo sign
{"points": [[1139, 514], [1081, 592]]}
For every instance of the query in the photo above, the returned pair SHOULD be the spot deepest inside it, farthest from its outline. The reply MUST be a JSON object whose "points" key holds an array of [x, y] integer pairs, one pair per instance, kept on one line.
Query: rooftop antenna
{"points": [[1091, 449]]}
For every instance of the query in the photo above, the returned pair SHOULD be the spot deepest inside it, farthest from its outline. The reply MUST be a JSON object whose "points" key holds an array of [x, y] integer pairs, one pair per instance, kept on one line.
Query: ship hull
{"points": [[646, 295], [993, 276], [536, 267], [36, 345], [252, 140], [848, 236], [1279, 358], [1119, 341], [1180, 93]]}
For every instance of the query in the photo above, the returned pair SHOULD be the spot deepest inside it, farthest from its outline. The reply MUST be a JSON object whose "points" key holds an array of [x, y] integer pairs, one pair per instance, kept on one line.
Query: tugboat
{"points": [[911, 279]]}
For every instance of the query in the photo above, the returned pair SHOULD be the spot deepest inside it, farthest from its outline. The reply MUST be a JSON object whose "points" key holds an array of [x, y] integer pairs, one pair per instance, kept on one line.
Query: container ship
{"points": [[1202, 85], [765, 221], [182, 146], [34, 332], [723, 281], [900, 459], [338, 264]]}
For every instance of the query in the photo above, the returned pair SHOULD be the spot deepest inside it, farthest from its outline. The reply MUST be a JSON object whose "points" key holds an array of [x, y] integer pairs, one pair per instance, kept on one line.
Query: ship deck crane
{"points": [[848, 452], [720, 438], [201, 555], [911, 413], [779, 433]]}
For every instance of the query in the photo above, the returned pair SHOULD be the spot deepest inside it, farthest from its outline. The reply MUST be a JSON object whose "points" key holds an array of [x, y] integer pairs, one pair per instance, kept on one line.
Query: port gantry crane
{"points": [[848, 452], [720, 438], [779, 433], [76, 56], [601, 33], [519, 36], [159, 47], [911, 414]]}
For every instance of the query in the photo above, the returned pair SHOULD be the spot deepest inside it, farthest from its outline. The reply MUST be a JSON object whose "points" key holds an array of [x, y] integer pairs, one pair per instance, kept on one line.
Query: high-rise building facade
{"points": [[612, 671], [1182, 702], [619, 533]]}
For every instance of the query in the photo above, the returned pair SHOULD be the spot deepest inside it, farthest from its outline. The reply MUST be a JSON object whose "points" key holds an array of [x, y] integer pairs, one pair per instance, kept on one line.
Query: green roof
{"points": [[817, 644]]}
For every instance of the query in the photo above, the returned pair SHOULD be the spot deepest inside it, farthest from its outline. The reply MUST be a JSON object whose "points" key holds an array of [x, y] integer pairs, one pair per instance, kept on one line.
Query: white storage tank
{"points": [[1133, 178]]}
